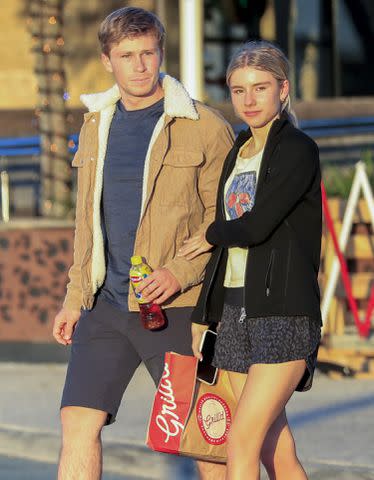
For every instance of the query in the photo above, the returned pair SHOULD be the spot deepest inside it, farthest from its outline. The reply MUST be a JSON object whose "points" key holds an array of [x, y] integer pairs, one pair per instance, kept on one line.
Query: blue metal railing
{"points": [[26, 146], [16, 157]]}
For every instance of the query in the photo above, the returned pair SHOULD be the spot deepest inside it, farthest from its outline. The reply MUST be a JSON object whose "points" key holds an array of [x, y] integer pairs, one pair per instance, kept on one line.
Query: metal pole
{"points": [[5, 195], [161, 10], [191, 18], [335, 49], [292, 46]]}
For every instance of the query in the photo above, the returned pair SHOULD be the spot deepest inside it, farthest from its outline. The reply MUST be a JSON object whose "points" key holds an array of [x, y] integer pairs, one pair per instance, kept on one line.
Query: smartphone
{"points": [[206, 373]]}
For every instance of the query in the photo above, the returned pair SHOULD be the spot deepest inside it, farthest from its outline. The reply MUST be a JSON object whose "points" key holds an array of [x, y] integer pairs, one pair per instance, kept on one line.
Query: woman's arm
{"points": [[289, 181]]}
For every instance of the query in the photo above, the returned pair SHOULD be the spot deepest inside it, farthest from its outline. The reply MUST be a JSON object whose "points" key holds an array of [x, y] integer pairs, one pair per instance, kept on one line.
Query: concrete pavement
{"points": [[333, 425], [20, 469]]}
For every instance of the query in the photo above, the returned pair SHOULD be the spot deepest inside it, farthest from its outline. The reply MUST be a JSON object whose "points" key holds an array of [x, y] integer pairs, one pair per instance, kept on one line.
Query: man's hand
{"points": [[64, 324], [197, 331], [194, 246], [159, 286]]}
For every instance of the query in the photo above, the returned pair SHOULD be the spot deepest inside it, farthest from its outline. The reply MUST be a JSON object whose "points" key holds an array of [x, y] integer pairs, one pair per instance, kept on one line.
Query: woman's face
{"points": [[256, 96]]}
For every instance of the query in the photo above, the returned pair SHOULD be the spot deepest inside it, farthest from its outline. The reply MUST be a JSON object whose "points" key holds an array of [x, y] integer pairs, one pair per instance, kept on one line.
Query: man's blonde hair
{"points": [[129, 22]]}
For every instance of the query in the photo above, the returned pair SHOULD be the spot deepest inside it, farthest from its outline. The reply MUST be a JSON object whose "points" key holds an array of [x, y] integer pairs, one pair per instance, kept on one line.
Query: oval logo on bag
{"points": [[213, 418]]}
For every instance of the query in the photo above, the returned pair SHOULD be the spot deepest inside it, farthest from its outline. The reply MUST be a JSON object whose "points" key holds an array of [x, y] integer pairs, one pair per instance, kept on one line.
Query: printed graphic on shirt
{"points": [[240, 196]]}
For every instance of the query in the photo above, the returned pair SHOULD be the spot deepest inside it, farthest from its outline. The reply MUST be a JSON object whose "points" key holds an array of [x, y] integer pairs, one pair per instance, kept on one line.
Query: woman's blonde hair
{"points": [[265, 56]]}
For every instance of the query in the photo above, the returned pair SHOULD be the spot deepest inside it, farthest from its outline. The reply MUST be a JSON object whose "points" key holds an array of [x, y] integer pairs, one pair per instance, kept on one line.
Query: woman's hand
{"points": [[197, 331], [194, 246]]}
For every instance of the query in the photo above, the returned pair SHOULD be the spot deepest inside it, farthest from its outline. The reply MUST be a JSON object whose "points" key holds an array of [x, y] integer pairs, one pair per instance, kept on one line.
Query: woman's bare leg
{"points": [[278, 453], [266, 391]]}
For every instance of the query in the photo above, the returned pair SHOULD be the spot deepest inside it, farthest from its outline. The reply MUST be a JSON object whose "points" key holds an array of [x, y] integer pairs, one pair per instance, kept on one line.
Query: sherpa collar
{"points": [[177, 102]]}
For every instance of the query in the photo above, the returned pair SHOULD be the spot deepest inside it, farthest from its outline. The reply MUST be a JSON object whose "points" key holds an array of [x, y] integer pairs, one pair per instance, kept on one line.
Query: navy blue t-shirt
{"points": [[128, 141]]}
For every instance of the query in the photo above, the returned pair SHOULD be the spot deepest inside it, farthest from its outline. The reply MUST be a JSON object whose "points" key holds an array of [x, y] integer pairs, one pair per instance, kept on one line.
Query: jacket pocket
{"points": [[269, 274], [177, 183], [184, 159]]}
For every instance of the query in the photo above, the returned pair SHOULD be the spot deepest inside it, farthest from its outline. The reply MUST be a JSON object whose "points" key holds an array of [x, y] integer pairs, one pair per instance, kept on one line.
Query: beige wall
{"points": [[83, 67], [17, 81]]}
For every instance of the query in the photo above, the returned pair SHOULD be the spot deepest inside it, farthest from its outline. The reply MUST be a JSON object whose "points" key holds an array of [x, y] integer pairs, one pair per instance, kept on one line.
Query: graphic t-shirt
{"points": [[240, 192]]}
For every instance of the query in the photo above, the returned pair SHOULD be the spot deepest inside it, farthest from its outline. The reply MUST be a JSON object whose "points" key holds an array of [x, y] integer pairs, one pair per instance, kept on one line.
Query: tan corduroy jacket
{"points": [[181, 172]]}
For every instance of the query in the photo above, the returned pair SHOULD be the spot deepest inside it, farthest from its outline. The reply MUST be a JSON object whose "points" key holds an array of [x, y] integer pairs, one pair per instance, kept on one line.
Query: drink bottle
{"points": [[151, 314]]}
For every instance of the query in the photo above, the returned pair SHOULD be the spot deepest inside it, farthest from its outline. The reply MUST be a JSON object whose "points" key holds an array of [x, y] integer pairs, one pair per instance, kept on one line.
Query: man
{"points": [[148, 164]]}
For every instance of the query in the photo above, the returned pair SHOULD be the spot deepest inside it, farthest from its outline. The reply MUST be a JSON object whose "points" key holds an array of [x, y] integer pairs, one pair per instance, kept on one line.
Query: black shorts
{"points": [[109, 345], [245, 342]]}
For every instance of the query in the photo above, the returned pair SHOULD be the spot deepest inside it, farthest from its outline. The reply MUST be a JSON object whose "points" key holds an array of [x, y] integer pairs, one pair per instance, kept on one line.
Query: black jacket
{"points": [[283, 232]]}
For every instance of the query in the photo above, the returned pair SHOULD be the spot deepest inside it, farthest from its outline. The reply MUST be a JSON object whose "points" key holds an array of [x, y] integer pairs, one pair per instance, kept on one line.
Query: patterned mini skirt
{"points": [[242, 342]]}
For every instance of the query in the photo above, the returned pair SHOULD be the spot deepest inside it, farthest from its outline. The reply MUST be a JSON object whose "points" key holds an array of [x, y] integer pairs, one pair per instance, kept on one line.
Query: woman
{"points": [[261, 282]]}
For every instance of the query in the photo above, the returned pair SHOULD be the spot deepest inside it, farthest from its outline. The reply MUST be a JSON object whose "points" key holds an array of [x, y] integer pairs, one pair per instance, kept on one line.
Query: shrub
{"points": [[338, 179]]}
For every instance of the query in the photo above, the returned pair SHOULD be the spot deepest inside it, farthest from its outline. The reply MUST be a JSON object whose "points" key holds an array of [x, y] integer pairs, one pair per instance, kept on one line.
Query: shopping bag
{"points": [[189, 417]]}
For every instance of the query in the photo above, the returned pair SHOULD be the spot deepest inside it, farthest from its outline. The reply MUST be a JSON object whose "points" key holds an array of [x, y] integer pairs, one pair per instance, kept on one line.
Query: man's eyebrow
{"points": [[135, 51]]}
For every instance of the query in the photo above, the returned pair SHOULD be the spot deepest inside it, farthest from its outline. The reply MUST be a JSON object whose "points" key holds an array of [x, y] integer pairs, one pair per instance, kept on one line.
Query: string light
{"points": [[52, 20], [46, 48], [60, 42], [66, 96], [53, 148], [71, 144]]}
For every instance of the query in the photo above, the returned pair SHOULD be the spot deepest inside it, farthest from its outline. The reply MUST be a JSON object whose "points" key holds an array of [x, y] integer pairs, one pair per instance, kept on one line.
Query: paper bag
{"points": [[189, 417]]}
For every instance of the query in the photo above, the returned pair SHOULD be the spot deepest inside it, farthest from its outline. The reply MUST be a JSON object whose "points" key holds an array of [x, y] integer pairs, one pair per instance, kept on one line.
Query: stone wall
{"points": [[34, 263]]}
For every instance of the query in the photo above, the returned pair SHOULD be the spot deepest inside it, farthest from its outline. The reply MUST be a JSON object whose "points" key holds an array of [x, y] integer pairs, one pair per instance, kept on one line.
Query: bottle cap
{"points": [[136, 260]]}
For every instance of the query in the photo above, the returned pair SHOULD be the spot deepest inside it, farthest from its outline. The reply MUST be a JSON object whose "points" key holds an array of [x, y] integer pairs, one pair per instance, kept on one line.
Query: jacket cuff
{"points": [[184, 272], [211, 233], [200, 322], [73, 300]]}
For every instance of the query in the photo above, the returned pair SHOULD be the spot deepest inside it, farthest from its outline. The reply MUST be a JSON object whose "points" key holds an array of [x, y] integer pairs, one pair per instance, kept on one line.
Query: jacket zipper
{"points": [[243, 313], [269, 273]]}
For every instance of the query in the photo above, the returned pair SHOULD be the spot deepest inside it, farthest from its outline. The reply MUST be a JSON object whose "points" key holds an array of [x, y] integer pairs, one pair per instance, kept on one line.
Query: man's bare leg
{"points": [[81, 453]]}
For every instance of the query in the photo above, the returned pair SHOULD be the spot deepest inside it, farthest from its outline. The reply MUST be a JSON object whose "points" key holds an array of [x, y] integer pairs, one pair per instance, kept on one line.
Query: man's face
{"points": [[135, 63]]}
